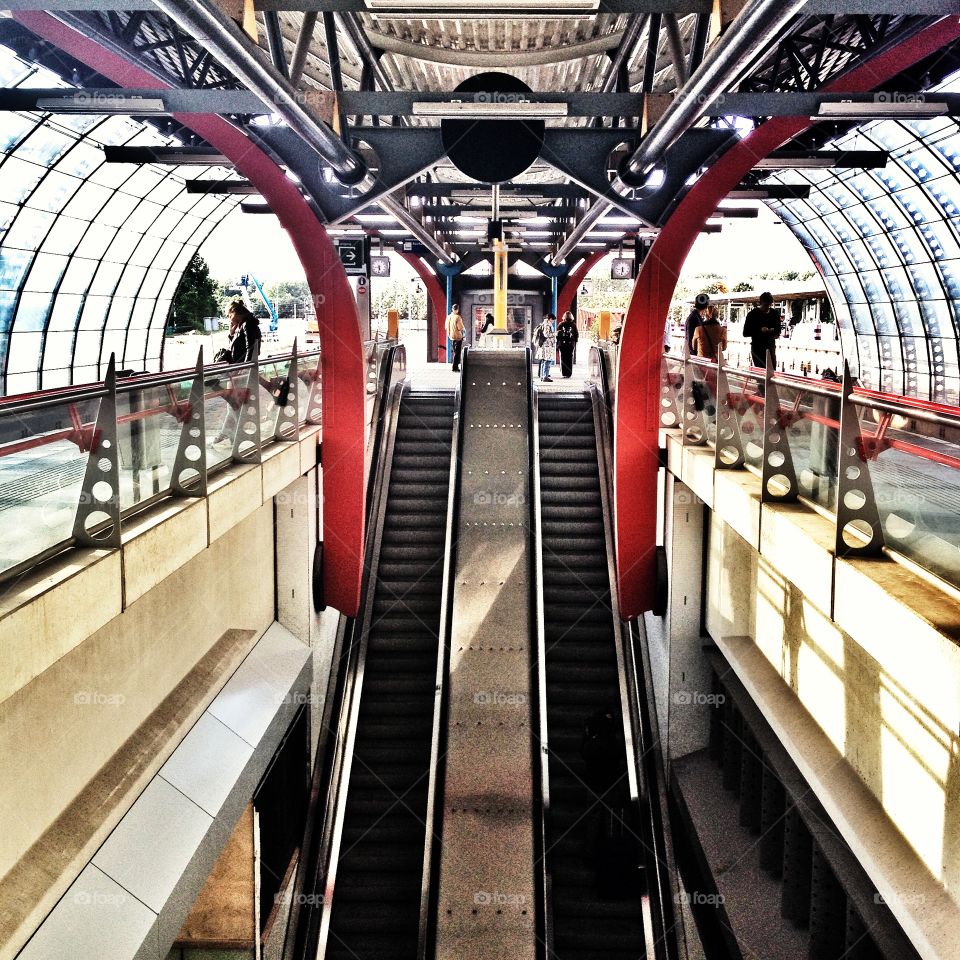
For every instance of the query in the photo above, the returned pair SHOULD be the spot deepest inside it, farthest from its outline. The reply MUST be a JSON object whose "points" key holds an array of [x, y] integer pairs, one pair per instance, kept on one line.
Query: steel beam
{"points": [[351, 26], [675, 44], [302, 48], [240, 188], [271, 20], [248, 63], [419, 231], [758, 23], [927, 8]]}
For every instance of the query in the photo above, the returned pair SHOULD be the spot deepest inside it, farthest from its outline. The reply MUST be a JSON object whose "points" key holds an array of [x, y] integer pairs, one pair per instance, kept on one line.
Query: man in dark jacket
{"points": [[567, 337], [701, 307], [762, 326]]}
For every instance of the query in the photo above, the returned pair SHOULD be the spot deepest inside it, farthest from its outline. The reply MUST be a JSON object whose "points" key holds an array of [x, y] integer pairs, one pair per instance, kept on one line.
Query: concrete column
{"points": [[686, 671]]}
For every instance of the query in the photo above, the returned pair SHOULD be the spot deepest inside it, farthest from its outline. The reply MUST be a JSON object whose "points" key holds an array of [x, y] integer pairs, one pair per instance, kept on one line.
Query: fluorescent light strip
{"points": [[100, 104], [490, 110], [882, 110]]}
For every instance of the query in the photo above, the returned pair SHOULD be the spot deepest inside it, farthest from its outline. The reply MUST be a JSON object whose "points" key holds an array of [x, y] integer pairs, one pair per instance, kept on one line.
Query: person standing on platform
{"points": [[455, 333], [567, 337], [710, 337], [546, 339], [762, 327], [698, 314]]}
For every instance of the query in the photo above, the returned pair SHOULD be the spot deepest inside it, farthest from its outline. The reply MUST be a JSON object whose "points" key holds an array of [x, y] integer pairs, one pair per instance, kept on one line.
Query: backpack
{"points": [[539, 337]]}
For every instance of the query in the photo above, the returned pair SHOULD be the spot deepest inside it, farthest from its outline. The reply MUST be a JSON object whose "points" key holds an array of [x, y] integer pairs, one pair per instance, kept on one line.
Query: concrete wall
{"points": [[867, 648], [95, 642]]}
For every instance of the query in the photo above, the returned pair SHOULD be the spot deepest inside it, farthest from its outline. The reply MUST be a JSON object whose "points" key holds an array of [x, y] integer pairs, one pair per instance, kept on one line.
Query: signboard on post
{"points": [[363, 306], [353, 256]]}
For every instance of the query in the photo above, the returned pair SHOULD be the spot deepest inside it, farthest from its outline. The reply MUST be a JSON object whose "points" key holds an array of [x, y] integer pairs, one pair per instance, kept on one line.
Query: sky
{"points": [[257, 244]]}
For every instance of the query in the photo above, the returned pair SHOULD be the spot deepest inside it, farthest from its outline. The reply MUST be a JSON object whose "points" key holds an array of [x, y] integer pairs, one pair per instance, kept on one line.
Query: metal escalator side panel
{"points": [[545, 833], [658, 900], [425, 944], [333, 828]]}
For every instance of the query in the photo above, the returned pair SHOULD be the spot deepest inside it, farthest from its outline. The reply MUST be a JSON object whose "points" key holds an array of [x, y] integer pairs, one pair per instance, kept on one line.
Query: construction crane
{"points": [[245, 281]]}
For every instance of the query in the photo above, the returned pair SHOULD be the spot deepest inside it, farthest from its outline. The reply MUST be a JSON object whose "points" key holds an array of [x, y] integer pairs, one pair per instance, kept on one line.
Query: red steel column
{"points": [[342, 350], [641, 342], [569, 289], [438, 300]]}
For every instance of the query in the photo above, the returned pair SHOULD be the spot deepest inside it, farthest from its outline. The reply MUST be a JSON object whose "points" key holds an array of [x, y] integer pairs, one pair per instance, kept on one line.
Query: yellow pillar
{"points": [[603, 323], [499, 285], [393, 324]]}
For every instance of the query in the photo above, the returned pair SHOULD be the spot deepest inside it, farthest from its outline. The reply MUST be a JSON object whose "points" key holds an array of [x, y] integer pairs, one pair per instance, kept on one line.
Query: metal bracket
{"points": [[288, 413], [778, 477], [97, 523], [189, 478], [859, 529], [314, 413], [694, 425], [669, 408], [246, 440], [729, 451]]}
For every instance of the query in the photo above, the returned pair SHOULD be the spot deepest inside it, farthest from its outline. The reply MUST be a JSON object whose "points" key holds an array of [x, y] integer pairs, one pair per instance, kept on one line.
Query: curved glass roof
{"points": [[888, 245], [90, 253]]}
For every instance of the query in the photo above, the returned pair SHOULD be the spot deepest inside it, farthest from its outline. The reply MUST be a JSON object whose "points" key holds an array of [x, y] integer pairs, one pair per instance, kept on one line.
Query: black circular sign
{"points": [[493, 151]]}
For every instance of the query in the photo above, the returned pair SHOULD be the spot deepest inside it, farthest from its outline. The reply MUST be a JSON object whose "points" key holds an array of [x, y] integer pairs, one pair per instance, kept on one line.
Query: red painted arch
{"points": [[342, 349], [641, 342], [438, 300], [570, 286]]}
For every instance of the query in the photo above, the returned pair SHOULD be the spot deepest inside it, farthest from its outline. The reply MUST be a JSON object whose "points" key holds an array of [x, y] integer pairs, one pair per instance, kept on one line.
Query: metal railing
{"points": [[77, 462], [883, 467]]}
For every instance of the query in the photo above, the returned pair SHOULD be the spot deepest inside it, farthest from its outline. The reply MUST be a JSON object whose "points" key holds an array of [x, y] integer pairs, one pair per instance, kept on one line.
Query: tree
{"points": [[289, 297], [196, 296], [744, 286]]}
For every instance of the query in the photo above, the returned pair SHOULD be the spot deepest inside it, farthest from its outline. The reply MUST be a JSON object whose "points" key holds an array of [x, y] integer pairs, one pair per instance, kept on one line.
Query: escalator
{"points": [[591, 829], [378, 868]]}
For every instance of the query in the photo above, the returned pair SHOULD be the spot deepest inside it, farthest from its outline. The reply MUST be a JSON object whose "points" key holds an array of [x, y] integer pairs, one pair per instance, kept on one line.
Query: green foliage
{"points": [[196, 297], [744, 286], [290, 297], [395, 295]]}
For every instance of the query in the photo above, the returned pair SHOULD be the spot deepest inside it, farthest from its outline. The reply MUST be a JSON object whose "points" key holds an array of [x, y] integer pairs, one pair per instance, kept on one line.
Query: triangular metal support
{"points": [[669, 408], [189, 477], [778, 477], [97, 523], [314, 412], [729, 452], [693, 424], [287, 399], [246, 440], [859, 528]]}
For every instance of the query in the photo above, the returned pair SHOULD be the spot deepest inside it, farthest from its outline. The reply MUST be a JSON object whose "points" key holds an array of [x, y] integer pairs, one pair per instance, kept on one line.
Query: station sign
{"points": [[353, 256]]}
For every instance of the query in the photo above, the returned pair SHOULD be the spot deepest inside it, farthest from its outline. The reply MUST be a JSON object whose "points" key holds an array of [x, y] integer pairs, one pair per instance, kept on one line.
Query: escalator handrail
{"points": [[309, 884], [431, 851], [643, 751], [335, 810], [546, 879]]}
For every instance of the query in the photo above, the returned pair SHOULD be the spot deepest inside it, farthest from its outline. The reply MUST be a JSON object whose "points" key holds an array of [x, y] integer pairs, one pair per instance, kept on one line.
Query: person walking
{"points": [[455, 333], [762, 327], [546, 338], [701, 308], [567, 337], [711, 336]]}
